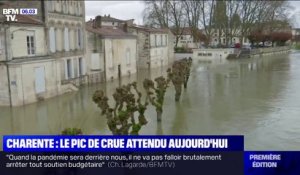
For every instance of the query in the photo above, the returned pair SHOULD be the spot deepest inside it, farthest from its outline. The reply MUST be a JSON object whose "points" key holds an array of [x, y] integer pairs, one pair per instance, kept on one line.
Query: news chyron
{"points": [[10, 13]]}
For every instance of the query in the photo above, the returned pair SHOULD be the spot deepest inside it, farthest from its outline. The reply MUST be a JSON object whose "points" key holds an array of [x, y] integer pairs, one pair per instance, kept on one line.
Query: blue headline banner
{"points": [[84, 143]]}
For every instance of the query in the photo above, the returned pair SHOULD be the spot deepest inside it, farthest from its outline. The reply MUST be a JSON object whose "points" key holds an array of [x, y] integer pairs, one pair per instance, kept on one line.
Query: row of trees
{"points": [[230, 18], [127, 116], [279, 38]]}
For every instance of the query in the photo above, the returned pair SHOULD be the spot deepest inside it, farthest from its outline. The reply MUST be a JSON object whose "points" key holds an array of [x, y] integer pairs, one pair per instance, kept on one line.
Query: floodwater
{"points": [[257, 97]]}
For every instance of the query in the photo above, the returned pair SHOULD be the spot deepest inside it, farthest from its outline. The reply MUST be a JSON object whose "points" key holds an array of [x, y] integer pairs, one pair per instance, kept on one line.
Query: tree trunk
{"points": [[159, 115], [178, 92]]}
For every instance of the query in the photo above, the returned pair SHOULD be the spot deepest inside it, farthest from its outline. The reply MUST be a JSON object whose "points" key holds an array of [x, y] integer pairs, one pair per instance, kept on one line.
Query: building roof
{"points": [[21, 19], [108, 31], [111, 19], [184, 31], [150, 29]]}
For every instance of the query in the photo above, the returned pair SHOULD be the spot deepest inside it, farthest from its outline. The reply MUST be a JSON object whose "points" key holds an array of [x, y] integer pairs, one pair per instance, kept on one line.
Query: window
{"points": [[166, 39], [128, 56], [52, 39], [199, 54], [161, 40], [69, 69], [1, 45], [209, 54], [66, 37], [155, 40], [79, 8], [30, 45], [50, 6], [80, 66], [79, 38]]}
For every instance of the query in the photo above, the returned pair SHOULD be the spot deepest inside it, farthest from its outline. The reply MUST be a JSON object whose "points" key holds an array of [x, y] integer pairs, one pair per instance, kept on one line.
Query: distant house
{"points": [[107, 20], [185, 38], [219, 38], [111, 50], [155, 46]]}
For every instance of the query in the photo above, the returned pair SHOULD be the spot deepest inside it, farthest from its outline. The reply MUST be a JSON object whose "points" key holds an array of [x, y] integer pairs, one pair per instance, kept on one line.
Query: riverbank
{"points": [[269, 51]]}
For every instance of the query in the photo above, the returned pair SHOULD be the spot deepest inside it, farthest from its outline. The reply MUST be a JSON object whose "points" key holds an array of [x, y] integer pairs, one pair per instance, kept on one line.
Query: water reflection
{"points": [[256, 97]]}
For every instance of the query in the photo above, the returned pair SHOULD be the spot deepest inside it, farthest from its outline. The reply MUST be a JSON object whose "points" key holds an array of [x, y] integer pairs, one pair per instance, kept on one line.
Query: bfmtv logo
{"points": [[11, 13]]}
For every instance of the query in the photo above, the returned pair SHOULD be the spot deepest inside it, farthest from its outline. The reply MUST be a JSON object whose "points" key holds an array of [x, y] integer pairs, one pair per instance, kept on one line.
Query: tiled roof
{"points": [[108, 31], [150, 29], [111, 19], [183, 31]]}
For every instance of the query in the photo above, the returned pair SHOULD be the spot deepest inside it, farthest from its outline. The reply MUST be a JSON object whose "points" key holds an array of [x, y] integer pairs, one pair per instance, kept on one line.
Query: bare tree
{"points": [[206, 19], [228, 18], [192, 10], [166, 14], [156, 13], [177, 19], [233, 22]]}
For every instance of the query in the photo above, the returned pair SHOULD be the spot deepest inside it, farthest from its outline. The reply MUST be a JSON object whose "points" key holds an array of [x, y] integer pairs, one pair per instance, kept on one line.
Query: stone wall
{"points": [[143, 47], [19, 42], [23, 87], [120, 54], [4, 93], [270, 50]]}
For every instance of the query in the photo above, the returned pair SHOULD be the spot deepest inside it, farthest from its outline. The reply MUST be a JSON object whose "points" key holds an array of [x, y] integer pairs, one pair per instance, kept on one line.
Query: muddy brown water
{"points": [[257, 97]]}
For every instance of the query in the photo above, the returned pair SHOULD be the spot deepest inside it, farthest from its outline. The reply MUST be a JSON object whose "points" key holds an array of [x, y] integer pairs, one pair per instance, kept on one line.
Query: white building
{"points": [[65, 21], [28, 73], [41, 56], [185, 38], [107, 20], [155, 46], [111, 51]]}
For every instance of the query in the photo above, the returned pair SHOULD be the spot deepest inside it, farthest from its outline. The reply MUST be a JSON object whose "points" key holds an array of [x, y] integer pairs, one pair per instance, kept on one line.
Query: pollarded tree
{"points": [[159, 90], [187, 70], [179, 75], [121, 118]]}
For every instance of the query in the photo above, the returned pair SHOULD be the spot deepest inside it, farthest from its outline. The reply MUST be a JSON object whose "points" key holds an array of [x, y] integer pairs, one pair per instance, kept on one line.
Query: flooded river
{"points": [[257, 97]]}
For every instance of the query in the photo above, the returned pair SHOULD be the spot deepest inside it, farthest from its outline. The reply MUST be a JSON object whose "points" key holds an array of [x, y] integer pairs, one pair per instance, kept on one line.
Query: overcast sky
{"points": [[134, 10]]}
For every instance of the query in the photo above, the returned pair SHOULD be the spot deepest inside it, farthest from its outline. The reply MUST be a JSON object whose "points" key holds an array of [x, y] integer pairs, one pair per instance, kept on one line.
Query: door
{"points": [[119, 71], [40, 80]]}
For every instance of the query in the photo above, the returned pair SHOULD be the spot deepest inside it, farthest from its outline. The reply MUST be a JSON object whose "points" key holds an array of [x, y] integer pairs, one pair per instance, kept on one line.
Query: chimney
{"points": [[98, 21]]}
